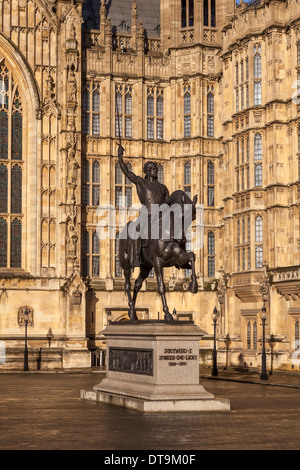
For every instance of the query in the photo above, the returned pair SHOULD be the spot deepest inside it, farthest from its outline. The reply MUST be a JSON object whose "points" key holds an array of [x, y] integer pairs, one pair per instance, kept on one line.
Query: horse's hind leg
{"points": [[193, 284], [144, 273], [131, 312], [158, 268]]}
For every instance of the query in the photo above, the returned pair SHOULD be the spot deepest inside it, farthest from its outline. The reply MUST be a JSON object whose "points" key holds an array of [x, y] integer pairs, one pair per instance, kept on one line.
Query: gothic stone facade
{"points": [[207, 89]]}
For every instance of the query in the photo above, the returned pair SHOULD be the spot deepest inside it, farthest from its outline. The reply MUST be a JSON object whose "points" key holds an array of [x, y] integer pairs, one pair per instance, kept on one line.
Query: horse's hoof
{"points": [[132, 316], [193, 287], [169, 318], [133, 319]]}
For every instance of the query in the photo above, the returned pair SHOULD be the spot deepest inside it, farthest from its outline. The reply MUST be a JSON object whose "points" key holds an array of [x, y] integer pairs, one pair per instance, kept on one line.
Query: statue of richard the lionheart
{"points": [[146, 250]]}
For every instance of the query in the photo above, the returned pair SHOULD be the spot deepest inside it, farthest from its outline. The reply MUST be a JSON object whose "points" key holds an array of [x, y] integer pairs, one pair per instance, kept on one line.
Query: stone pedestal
{"points": [[154, 366]]}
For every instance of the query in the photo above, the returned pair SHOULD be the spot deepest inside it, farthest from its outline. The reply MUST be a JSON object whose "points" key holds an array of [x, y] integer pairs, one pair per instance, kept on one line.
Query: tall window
{"points": [[258, 241], [210, 184], [210, 114], [155, 114], [123, 187], [187, 111], [11, 166], [205, 12], [257, 74], [209, 13], [123, 111], [251, 334], [258, 174], [237, 100], [160, 174], [257, 147], [187, 13], [118, 269], [211, 254], [91, 109], [91, 182], [91, 253], [258, 228], [187, 179]]}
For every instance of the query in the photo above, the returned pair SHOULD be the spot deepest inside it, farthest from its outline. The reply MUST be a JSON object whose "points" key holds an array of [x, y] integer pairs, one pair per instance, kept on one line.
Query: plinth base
{"points": [[156, 406], [154, 367]]}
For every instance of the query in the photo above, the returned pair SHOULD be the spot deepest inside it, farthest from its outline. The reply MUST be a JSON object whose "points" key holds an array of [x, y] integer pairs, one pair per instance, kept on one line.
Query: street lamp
{"points": [[263, 316], [26, 319], [214, 317]]}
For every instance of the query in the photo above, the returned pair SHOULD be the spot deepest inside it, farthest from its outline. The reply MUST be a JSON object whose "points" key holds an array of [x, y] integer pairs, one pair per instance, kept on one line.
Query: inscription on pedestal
{"points": [[133, 361], [178, 357]]}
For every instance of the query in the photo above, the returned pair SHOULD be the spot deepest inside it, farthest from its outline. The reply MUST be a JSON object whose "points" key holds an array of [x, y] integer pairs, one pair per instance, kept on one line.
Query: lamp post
{"points": [[26, 319], [263, 316], [214, 371]]}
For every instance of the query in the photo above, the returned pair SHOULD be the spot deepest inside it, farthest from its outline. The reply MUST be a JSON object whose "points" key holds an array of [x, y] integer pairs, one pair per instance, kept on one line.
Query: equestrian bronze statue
{"points": [[157, 238]]}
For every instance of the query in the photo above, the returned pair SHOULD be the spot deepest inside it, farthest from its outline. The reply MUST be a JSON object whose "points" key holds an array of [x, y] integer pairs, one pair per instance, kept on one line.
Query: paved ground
{"points": [[43, 411]]}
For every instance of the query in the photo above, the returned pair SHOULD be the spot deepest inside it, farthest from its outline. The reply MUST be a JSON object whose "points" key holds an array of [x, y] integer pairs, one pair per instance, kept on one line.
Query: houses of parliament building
{"points": [[205, 88]]}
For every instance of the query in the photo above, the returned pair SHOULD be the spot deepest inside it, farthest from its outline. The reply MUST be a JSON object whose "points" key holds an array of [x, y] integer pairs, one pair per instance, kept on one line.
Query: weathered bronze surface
{"points": [[165, 250]]}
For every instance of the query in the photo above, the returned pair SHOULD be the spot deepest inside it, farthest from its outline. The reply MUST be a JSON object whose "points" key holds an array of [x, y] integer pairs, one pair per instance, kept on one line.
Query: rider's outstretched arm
{"points": [[128, 173]]}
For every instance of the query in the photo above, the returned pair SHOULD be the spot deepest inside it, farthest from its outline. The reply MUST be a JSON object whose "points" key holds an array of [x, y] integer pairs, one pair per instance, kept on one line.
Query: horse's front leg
{"points": [[144, 273], [131, 312], [193, 287], [158, 268]]}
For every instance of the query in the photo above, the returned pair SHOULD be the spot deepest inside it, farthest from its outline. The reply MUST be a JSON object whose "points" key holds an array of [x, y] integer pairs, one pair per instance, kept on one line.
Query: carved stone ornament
{"points": [[221, 289], [76, 296], [21, 316], [265, 284]]}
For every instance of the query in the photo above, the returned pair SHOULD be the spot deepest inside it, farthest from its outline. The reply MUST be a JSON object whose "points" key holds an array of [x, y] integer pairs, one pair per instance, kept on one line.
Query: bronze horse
{"points": [[159, 253]]}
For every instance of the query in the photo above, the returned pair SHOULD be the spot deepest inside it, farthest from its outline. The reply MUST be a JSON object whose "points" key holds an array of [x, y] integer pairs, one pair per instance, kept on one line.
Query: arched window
{"points": [[11, 166], [257, 61], [128, 112], [152, 117], [91, 109], [257, 74]]}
